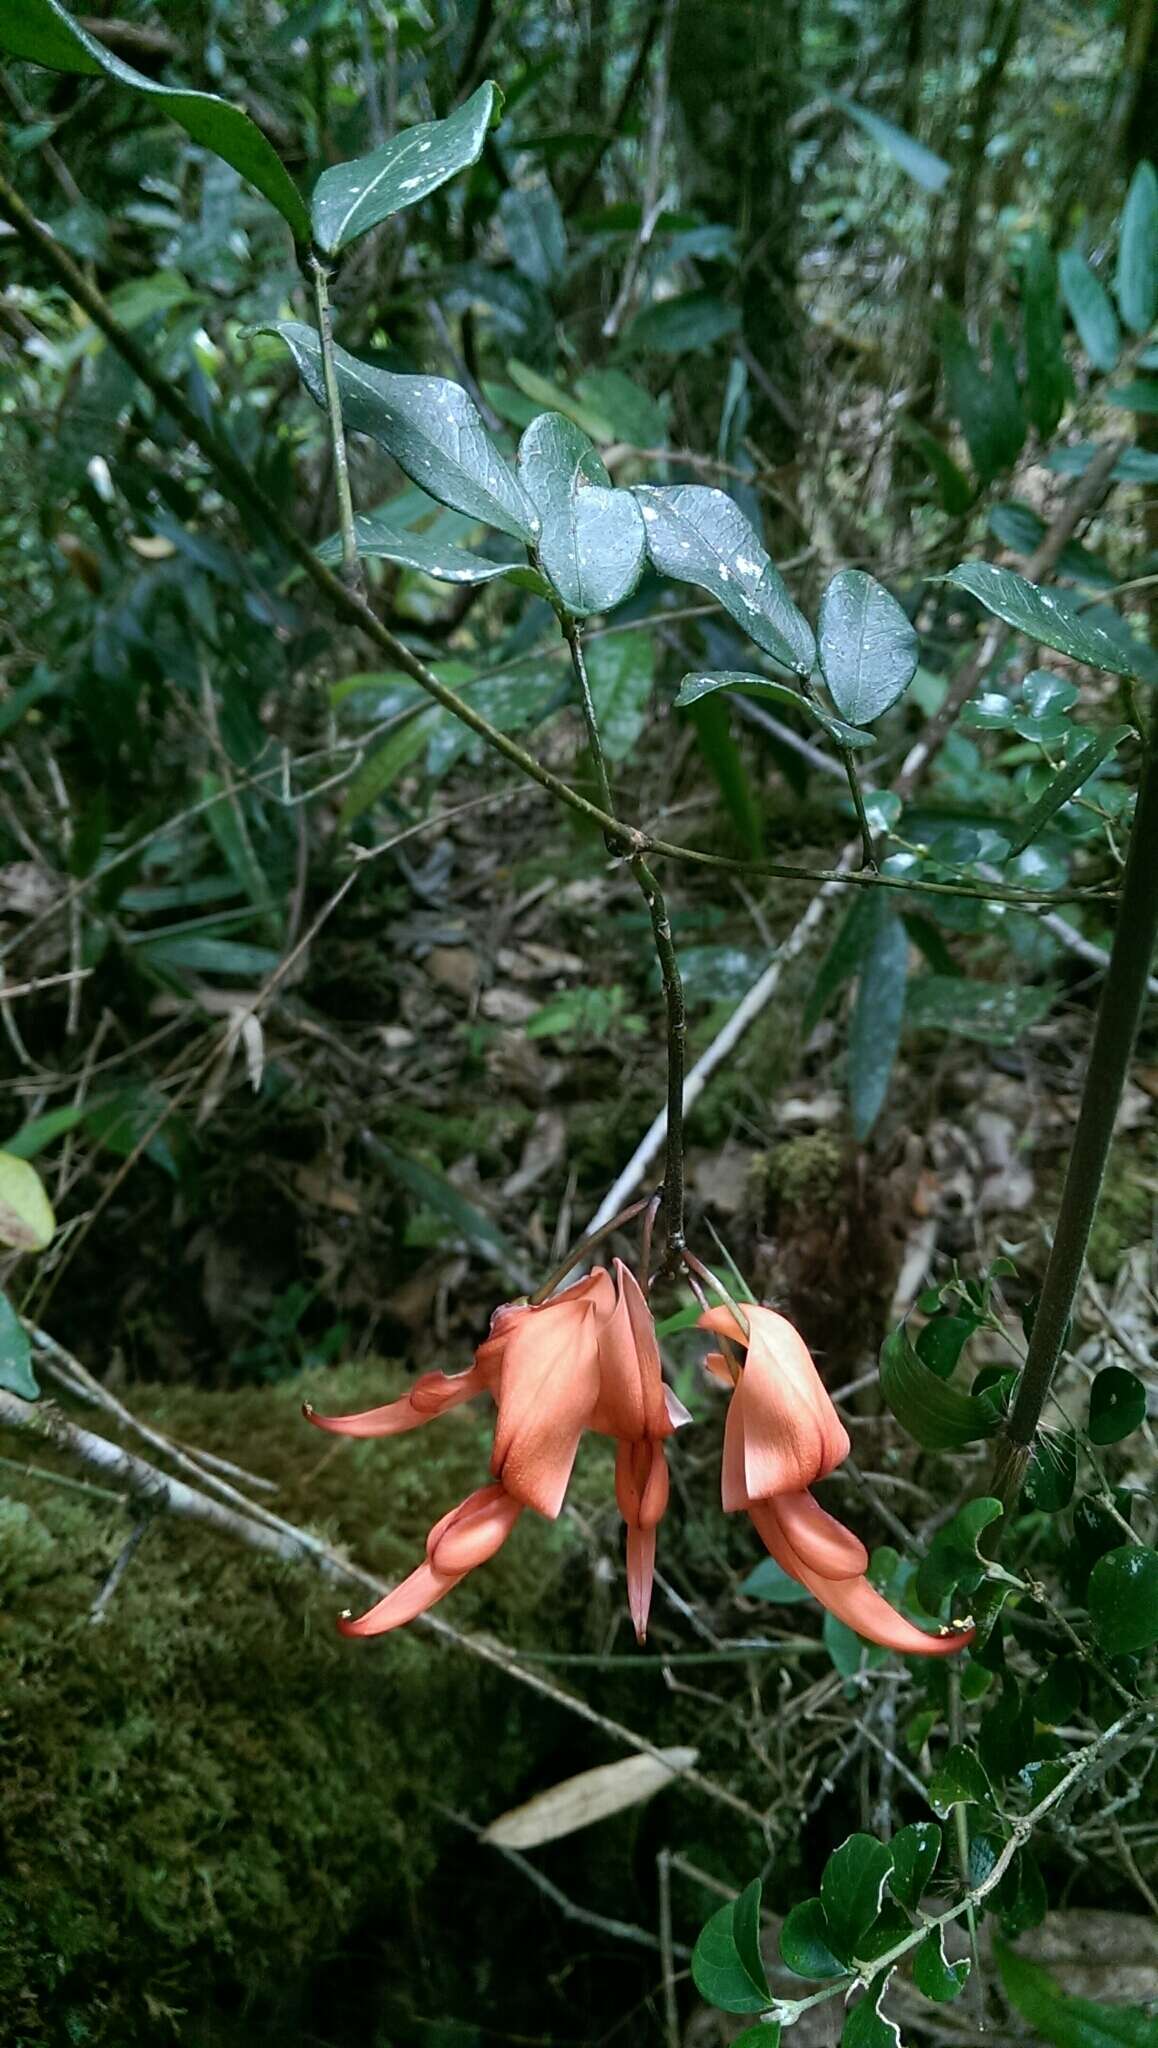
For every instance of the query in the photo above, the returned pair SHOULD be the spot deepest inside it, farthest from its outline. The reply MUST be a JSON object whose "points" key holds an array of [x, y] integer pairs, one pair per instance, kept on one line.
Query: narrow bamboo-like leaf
{"points": [[378, 541], [842, 959], [1085, 759], [939, 1416], [1040, 615], [1091, 310], [695, 687], [532, 221], [1063, 2020], [350, 198], [16, 1374], [701, 536], [1047, 372], [43, 32], [27, 1223], [868, 647], [992, 1012], [875, 1032], [592, 543], [985, 404], [1137, 279], [956, 491], [928, 171], [380, 769], [723, 756], [429, 425]]}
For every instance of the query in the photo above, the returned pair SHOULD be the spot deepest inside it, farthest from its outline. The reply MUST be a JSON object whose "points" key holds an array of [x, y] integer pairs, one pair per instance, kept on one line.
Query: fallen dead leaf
{"points": [[593, 1795], [453, 967]]}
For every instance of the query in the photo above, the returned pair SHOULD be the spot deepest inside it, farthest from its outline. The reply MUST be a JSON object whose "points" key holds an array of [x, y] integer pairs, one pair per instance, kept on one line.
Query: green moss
{"points": [[1124, 1213], [210, 1787], [808, 1173]]}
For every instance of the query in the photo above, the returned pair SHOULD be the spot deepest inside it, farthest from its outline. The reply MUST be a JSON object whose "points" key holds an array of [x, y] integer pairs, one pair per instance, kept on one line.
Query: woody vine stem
{"points": [[1119, 1012]]}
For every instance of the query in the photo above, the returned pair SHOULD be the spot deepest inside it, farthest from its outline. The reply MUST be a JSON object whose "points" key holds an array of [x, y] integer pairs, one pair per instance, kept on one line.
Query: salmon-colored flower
{"points": [[782, 1433], [586, 1359]]}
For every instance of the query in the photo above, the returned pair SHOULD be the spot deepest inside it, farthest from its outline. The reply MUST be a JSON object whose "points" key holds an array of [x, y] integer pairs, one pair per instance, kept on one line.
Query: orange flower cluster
{"points": [[588, 1359]]}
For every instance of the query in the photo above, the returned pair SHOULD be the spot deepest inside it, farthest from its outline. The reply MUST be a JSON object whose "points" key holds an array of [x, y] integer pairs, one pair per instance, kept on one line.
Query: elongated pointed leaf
{"points": [[986, 404], [877, 1015], [926, 170], [695, 687], [1040, 615], [701, 536], [1091, 310], [1047, 372], [592, 543], [16, 1374], [1065, 2021], [353, 197], [42, 31], [379, 542], [938, 1415], [1137, 279], [430, 426], [1087, 756], [620, 671], [868, 648]]}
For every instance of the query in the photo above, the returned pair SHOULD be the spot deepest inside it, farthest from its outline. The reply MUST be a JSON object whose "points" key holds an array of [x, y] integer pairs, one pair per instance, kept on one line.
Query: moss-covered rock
{"points": [[208, 1789]]}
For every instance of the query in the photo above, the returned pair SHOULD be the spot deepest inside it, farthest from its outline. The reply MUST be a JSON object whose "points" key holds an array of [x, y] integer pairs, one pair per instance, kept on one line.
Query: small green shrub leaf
{"points": [[933, 1974], [1123, 1599], [915, 1850], [700, 536], [852, 1886], [1091, 310], [1117, 1405], [592, 544], [1040, 614], [726, 1962], [1136, 283], [938, 1415], [350, 198], [805, 1943], [867, 644], [16, 1374]]}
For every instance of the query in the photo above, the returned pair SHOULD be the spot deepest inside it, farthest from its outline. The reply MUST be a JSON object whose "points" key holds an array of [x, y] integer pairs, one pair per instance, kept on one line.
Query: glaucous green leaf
{"points": [[632, 413], [726, 1963], [400, 748], [938, 1415], [1141, 395], [1136, 283], [1091, 310], [700, 536], [429, 425], [915, 1850], [1048, 381], [928, 171], [353, 197], [27, 1223], [769, 1581], [1117, 1405], [713, 728], [16, 1374], [868, 647], [1086, 756], [620, 670], [546, 392], [536, 233], [954, 488], [592, 544], [992, 1012], [986, 404], [841, 961], [933, 1974], [852, 1886], [43, 32], [1062, 2019], [693, 321], [1123, 1599], [378, 541], [695, 687], [875, 1030], [1040, 614], [1134, 465], [804, 1942]]}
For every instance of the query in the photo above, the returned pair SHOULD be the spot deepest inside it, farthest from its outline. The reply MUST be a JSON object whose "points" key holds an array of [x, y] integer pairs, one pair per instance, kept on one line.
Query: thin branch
{"points": [[351, 561]]}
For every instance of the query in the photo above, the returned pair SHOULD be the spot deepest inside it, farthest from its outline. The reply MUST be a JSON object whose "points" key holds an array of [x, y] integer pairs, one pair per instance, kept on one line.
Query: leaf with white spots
{"points": [[701, 536], [695, 686], [1041, 616], [353, 197], [429, 425], [447, 564], [868, 648], [591, 543]]}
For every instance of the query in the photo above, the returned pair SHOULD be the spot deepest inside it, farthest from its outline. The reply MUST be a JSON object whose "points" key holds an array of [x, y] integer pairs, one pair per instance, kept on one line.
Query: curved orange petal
{"points": [[819, 1540], [465, 1537], [640, 1578], [429, 1397], [548, 1385], [853, 1600], [412, 1598], [791, 1431]]}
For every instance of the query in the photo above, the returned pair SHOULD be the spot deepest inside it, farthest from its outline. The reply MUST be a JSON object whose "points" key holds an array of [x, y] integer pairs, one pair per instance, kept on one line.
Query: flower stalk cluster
{"points": [[588, 1359]]}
